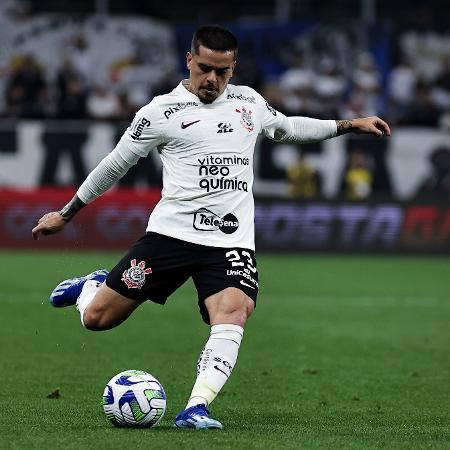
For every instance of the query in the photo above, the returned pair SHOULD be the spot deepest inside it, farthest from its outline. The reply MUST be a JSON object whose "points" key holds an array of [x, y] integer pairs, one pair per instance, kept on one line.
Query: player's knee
{"points": [[95, 320], [243, 312], [237, 317], [250, 306], [242, 307], [232, 306]]}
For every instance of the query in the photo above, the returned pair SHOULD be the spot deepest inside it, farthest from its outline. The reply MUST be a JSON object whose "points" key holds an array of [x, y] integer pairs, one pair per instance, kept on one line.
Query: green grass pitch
{"points": [[345, 352]]}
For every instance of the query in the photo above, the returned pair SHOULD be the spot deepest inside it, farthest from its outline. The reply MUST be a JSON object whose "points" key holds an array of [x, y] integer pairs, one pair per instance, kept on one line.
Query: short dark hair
{"points": [[214, 37]]}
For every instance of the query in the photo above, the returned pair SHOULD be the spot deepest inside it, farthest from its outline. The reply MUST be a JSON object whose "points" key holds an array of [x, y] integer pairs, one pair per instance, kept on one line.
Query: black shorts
{"points": [[157, 265]]}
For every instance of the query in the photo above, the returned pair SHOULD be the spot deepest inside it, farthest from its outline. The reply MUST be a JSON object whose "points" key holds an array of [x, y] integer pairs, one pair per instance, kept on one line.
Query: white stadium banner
{"points": [[36, 153]]}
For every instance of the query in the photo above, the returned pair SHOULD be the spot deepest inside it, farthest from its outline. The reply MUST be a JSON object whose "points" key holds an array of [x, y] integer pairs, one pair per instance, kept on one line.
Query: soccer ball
{"points": [[134, 398]]}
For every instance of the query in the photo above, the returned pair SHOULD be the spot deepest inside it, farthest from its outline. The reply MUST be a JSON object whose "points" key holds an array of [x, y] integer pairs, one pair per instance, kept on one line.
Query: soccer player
{"points": [[205, 131]]}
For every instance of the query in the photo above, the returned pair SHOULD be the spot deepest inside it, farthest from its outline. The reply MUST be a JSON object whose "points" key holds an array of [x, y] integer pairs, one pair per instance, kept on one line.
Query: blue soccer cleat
{"points": [[68, 291], [196, 417]]}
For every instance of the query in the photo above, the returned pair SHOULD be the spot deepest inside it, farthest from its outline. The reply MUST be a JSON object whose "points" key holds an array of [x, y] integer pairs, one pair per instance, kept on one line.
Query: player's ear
{"points": [[188, 60]]}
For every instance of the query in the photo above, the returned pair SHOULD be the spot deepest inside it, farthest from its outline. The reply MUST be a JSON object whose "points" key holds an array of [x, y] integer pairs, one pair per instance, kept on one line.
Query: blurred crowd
{"points": [[31, 90], [402, 96]]}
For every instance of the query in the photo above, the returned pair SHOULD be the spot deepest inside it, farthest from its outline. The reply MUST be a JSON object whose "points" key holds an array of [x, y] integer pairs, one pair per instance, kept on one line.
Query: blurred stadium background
{"points": [[71, 79], [367, 365]]}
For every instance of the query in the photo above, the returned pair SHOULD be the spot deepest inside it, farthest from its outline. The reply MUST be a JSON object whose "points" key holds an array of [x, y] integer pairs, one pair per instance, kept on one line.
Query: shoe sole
{"points": [[187, 425]]}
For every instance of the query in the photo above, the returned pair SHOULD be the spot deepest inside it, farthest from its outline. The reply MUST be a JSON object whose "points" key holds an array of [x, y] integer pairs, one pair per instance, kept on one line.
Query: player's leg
{"points": [[100, 307], [227, 311], [230, 305], [153, 268]]}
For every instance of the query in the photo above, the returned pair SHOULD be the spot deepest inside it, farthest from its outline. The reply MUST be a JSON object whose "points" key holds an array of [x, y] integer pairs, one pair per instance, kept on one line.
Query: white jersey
{"points": [[207, 157]]}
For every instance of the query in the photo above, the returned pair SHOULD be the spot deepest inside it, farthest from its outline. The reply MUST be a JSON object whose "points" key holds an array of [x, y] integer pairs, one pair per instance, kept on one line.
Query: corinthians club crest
{"points": [[246, 118], [134, 277]]}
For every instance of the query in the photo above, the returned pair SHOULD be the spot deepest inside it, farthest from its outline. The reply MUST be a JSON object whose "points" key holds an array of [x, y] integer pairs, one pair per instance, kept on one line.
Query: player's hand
{"points": [[49, 223], [371, 125]]}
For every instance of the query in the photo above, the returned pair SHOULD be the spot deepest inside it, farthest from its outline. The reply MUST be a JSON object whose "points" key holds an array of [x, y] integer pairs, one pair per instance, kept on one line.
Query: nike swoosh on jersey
{"points": [[245, 284], [188, 124]]}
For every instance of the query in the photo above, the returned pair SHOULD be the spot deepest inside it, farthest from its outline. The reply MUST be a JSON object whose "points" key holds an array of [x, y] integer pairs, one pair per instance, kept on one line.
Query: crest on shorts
{"points": [[246, 118], [134, 277]]}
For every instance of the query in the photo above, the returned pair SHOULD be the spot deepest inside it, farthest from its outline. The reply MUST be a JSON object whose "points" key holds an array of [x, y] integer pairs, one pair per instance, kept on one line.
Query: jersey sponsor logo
{"points": [[223, 184], [188, 124], [212, 160], [134, 277], [242, 265], [206, 220], [246, 119], [241, 97], [178, 107], [214, 173], [224, 127], [243, 274], [273, 111], [137, 127]]}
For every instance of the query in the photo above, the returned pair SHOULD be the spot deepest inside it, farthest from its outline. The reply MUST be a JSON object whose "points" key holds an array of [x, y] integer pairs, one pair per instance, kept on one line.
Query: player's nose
{"points": [[212, 77]]}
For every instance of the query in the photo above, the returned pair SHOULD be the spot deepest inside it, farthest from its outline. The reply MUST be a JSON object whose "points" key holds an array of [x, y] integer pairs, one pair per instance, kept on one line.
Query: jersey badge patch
{"points": [[246, 118], [134, 277]]}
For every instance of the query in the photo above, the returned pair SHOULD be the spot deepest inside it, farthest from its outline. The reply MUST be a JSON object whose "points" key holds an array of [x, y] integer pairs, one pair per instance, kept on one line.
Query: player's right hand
{"points": [[49, 223]]}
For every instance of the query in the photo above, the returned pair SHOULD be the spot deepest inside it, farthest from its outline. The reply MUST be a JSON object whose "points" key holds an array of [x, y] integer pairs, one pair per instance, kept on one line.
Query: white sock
{"points": [[216, 363], [88, 292]]}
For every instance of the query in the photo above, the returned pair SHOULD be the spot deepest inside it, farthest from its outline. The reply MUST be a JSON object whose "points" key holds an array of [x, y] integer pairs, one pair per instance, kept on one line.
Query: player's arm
{"points": [[306, 129], [295, 129], [364, 125], [113, 167], [137, 141], [55, 221]]}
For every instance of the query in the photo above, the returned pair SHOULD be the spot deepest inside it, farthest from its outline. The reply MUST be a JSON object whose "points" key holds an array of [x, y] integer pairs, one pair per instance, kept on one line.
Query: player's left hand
{"points": [[49, 223], [371, 125]]}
